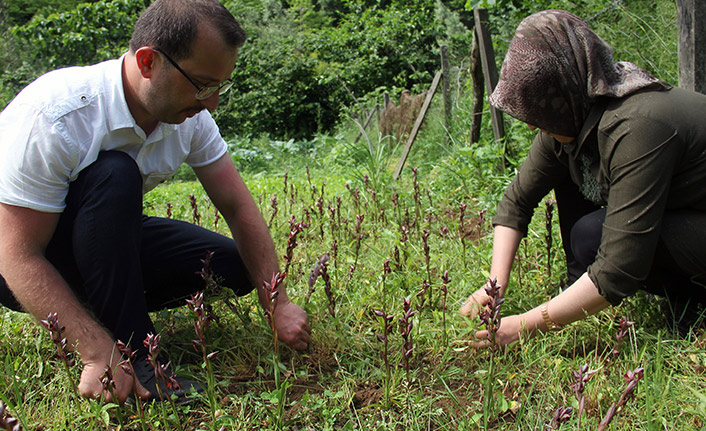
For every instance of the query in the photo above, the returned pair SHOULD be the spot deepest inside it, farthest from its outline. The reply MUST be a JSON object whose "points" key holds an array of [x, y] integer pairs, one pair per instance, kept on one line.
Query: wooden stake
{"points": [[417, 124]]}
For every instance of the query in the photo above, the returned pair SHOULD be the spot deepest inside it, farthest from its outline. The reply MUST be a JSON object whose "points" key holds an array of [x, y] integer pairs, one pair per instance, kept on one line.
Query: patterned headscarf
{"points": [[554, 69]]}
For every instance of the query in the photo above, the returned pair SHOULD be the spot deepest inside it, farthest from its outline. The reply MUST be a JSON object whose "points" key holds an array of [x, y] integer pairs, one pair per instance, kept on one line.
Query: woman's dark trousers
{"points": [[678, 270]]}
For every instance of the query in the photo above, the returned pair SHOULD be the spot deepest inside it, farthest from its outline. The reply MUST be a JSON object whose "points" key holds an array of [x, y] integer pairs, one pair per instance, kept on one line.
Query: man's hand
{"points": [[509, 332], [90, 385], [292, 325]]}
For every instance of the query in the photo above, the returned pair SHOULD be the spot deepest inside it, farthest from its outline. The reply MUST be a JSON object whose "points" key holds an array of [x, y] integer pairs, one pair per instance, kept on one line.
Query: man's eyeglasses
{"points": [[203, 92]]}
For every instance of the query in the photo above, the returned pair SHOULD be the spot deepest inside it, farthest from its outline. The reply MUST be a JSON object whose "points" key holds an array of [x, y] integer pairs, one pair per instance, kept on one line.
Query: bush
{"points": [[90, 33], [294, 82], [307, 63]]}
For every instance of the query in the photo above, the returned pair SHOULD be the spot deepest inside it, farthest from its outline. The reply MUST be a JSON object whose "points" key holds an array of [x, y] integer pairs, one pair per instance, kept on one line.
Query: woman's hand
{"points": [[475, 303], [509, 331]]}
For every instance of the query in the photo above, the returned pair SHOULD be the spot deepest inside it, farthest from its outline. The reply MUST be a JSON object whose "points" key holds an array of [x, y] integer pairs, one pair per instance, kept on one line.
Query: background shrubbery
{"points": [[308, 63]]}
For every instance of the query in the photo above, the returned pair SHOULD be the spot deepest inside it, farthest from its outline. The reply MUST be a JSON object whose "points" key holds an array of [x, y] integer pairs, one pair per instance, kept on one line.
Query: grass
{"points": [[338, 382], [341, 382]]}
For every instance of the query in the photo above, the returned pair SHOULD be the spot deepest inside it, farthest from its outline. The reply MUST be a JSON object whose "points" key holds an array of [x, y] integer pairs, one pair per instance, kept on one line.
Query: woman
{"points": [[625, 154]]}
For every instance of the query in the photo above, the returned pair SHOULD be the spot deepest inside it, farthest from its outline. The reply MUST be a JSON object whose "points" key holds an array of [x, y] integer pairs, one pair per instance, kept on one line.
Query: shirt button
{"points": [[84, 98]]}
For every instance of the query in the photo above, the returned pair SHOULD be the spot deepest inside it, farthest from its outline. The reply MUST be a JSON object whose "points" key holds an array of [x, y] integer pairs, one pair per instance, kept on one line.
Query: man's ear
{"points": [[145, 58]]}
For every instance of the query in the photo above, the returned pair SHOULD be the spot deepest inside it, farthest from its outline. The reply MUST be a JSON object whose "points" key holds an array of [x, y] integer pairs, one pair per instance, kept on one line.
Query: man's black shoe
{"points": [[185, 393]]}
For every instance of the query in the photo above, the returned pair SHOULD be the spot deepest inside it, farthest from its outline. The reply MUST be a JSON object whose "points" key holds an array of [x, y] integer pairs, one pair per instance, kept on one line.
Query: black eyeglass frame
{"points": [[202, 92]]}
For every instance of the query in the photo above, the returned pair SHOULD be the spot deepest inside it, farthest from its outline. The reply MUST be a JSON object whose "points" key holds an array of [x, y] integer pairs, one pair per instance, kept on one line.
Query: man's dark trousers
{"points": [[123, 264]]}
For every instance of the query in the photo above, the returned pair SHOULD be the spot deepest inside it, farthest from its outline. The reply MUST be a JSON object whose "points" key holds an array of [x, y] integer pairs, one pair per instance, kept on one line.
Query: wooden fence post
{"points": [[476, 70], [692, 44], [445, 81], [490, 70]]}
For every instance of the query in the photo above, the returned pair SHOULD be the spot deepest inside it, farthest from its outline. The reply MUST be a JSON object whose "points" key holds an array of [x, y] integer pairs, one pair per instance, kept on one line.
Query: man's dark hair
{"points": [[172, 25]]}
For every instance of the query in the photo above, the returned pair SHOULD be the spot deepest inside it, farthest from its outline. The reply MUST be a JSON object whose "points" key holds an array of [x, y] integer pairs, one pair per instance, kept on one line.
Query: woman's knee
{"points": [[586, 237], [683, 237]]}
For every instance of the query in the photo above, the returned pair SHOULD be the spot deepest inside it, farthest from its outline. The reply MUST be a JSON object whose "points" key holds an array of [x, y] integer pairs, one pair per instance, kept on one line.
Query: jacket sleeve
{"points": [[541, 171]]}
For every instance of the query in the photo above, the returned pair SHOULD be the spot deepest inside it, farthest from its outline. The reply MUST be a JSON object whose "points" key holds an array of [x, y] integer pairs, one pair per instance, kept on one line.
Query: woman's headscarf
{"points": [[554, 69]]}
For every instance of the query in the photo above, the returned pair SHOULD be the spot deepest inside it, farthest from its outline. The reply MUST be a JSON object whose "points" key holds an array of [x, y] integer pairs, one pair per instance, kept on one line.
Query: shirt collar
{"points": [[117, 111], [573, 149]]}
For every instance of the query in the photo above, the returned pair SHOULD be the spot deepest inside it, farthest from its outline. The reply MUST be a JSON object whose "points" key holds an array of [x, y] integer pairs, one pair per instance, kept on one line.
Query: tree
{"points": [[19, 12], [90, 33]]}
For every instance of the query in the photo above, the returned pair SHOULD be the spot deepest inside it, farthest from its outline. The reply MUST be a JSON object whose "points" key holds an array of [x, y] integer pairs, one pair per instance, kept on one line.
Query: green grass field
{"points": [[342, 382], [366, 222]]}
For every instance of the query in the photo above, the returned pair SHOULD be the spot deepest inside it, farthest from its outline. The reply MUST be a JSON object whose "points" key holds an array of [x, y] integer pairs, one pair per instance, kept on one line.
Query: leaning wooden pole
{"points": [[417, 124], [490, 70], [445, 84]]}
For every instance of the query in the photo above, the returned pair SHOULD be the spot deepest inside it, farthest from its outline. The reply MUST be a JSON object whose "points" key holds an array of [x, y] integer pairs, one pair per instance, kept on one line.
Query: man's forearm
{"points": [[37, 285], [41, 290], [231, 196]]}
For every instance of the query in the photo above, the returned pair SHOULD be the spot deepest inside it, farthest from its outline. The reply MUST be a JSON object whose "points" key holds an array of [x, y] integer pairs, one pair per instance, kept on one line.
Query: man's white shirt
{"points": [[58, 124]]}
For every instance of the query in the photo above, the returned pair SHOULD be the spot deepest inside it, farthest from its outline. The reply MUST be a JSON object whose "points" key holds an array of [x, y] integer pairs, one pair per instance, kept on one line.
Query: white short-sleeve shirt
{"points": [[58, 124]]}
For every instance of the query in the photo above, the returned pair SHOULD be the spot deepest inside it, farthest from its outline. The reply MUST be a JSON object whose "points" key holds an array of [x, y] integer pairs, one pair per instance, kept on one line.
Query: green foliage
{"points": [[314, 14], [371, 159], [262, 155], [19, 12], [472, 4], [15, 75], [64, 33], [89, 33], [292, 81], [380, 47], [308, 64], [642, 32], [277, 90]]}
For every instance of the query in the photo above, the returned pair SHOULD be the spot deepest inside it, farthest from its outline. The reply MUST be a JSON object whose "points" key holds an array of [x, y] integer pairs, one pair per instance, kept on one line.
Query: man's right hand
{"points": [[38, 286], [90, 385], [292, 325]]}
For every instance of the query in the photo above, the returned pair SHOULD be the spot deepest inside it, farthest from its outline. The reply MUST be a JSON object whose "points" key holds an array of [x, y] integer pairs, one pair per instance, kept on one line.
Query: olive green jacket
{"points": [[647, 152]]}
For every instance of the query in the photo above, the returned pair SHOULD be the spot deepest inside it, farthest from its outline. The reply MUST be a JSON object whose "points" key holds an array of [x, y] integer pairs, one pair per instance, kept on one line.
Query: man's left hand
{"points": [[292, 325]]}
